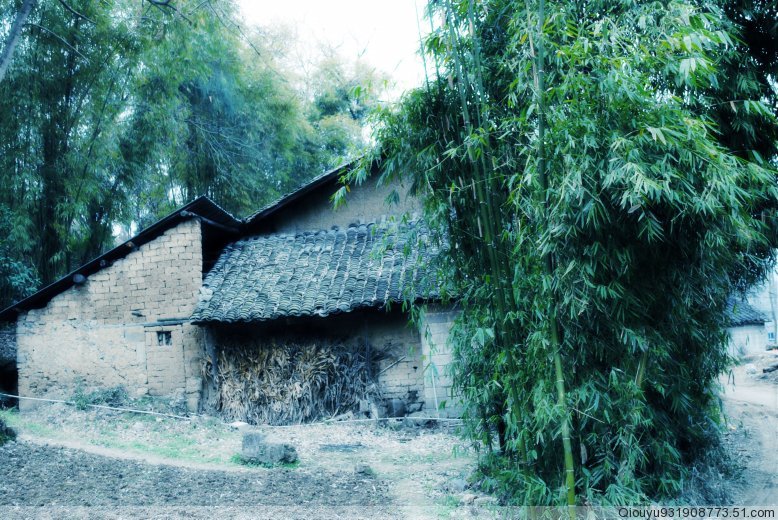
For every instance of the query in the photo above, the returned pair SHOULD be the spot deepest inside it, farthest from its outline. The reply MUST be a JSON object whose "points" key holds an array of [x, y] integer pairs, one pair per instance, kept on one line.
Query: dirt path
{"points": [[116, 453], [751, 403]]}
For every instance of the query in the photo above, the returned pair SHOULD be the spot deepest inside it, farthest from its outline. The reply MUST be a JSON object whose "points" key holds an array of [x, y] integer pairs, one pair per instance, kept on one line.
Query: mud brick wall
{"points": [[401, 371], [124, 326], [435, 326], [364, 203]]}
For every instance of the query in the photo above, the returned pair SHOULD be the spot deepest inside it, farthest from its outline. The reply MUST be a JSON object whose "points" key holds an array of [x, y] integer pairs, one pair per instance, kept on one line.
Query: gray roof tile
{"points": [[318, 273], [741, 313]]}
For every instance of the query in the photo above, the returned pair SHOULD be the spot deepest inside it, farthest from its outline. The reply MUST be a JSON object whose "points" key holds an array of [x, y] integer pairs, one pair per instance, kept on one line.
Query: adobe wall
{"points": [[435, 326], [364, 203], [124, 326], [400, 372]]}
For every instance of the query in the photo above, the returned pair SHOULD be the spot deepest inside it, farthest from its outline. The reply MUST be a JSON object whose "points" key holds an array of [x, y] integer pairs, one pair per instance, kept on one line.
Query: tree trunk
{"points": [[13, 36]]}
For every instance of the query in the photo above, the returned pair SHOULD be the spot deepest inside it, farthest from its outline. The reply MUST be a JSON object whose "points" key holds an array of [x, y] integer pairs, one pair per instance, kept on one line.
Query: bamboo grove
{"points": [[113, 113], [596, 220]]}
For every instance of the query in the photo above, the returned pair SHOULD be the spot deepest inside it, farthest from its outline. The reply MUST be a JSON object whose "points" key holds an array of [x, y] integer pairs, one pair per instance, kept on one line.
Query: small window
{"points": [[771, 336], [164, 338]]}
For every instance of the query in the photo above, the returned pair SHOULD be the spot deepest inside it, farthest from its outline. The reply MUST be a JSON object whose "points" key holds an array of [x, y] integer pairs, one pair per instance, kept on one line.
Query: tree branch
{"points": [[163, 4], [74, 12], [60, 38]]}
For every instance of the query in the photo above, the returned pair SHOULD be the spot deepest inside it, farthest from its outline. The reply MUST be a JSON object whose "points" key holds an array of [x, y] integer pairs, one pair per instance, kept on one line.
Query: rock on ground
{"points": [[257, 450]]}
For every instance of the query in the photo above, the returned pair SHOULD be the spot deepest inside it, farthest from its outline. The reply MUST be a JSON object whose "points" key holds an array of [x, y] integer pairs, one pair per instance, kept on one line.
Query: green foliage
{"points": [[114, 118], [6, 433], [116, 396], [597, 221], [18, 277]]}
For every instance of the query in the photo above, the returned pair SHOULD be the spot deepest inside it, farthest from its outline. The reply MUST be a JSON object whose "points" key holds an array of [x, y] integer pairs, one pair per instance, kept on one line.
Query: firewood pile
{"points": [[293, 383]]}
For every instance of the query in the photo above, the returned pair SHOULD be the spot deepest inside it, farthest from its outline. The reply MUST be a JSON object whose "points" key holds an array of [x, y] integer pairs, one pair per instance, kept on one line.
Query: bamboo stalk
{"points": [[487, 204], [641, 369], [549, 267]]}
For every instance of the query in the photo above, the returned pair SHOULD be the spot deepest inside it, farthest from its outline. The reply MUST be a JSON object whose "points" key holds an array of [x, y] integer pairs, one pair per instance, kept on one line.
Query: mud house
{"points": [[747, 331], [161, 313]]}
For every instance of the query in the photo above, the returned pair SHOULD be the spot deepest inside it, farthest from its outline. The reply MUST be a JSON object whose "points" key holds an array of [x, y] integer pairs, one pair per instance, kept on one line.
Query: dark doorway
{"points": [[9, 383]]}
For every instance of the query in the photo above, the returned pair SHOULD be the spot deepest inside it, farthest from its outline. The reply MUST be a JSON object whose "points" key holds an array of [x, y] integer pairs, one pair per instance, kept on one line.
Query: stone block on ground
{"points": [[364, 469], [467, 499], [257, 450], [418, 419], [458, 485], [486, 501]]}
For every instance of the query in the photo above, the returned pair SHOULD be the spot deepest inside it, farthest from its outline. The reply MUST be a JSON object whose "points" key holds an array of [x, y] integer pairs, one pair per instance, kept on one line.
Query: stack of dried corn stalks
{"points": [[292, 383]]}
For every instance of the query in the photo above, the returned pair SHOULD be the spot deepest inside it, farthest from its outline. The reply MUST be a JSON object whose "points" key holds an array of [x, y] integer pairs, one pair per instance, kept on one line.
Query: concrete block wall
{"points": [[435, 326], [104, 333]]}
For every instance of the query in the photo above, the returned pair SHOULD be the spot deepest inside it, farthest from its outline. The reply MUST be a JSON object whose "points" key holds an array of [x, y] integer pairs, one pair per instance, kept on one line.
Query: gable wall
{"points": [[365, 203], [104, 332]]}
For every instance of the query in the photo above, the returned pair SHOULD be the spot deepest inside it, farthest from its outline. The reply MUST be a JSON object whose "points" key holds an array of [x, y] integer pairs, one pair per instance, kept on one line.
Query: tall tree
{"points": [[596, 221], [115, 112], [59, 102], [9, 46]]}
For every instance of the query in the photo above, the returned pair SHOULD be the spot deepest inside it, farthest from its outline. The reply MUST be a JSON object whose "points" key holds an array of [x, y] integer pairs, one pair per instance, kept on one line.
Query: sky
{"points": [[384, 33]]}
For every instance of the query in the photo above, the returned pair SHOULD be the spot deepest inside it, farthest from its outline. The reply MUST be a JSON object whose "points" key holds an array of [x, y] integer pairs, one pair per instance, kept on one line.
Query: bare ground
{"points": [[751, 406], [75, 464], [54, 476]]}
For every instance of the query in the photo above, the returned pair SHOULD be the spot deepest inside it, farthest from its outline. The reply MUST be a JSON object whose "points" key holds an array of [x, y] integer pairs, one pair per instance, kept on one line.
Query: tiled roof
{"points": [[317, 273], [741, 313]]}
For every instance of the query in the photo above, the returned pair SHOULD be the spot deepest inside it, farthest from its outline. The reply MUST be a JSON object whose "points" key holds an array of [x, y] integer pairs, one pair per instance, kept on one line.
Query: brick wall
{"points": [[402, 370], [435, 325], [114, 329]]}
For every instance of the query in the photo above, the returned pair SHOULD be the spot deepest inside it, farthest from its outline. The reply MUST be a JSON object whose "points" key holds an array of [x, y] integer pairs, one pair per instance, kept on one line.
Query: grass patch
{"points": [[21, 423], [6, 433], [446, 505], [199, 441], [116, 396]]}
